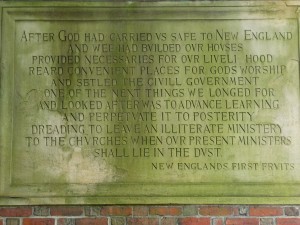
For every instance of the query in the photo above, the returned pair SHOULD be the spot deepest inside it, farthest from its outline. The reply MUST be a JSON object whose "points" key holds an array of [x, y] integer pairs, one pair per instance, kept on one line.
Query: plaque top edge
{"points": [[137, 3]]}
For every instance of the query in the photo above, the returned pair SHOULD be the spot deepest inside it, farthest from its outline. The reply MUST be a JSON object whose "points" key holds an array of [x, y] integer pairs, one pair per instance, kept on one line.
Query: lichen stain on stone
{"points": [[88, 170]]}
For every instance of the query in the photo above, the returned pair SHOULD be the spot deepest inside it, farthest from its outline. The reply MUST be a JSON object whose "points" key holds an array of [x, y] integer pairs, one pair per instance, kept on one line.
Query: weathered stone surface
{"points": [[267, 221], [291, 211], [41, 211], [12, 221], [149, 103]]}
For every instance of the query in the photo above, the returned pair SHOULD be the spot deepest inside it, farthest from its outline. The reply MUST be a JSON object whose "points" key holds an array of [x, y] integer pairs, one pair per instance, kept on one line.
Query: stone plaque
{"points": [[150, 103]]}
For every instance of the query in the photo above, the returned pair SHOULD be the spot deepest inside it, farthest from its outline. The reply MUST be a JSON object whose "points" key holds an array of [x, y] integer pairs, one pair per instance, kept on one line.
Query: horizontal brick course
{"points": [[38, 221], [216, 210], [265, 211], [16, 212], [151, 215], [164, 211], [242, 221], [194, 221], [288, 221], [116, 211]]}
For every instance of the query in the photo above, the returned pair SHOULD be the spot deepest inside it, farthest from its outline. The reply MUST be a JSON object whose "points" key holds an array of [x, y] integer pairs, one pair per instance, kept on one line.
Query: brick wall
{"points": [[151, 215]]}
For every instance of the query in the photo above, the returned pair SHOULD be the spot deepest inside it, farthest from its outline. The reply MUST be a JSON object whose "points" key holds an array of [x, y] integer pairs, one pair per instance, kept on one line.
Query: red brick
{"points": [[1, 222], [91, 221], [116, 211], [215, 211], [140, 211], [38, 221], [288, 221], [165, 211], [66, 211], [142, 221], [242, 221], [16, 212], [194, 221], [265, 211]]}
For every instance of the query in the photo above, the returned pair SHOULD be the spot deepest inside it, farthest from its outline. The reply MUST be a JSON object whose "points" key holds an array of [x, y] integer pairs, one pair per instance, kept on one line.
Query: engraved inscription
{"points": [[202, 101]]}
